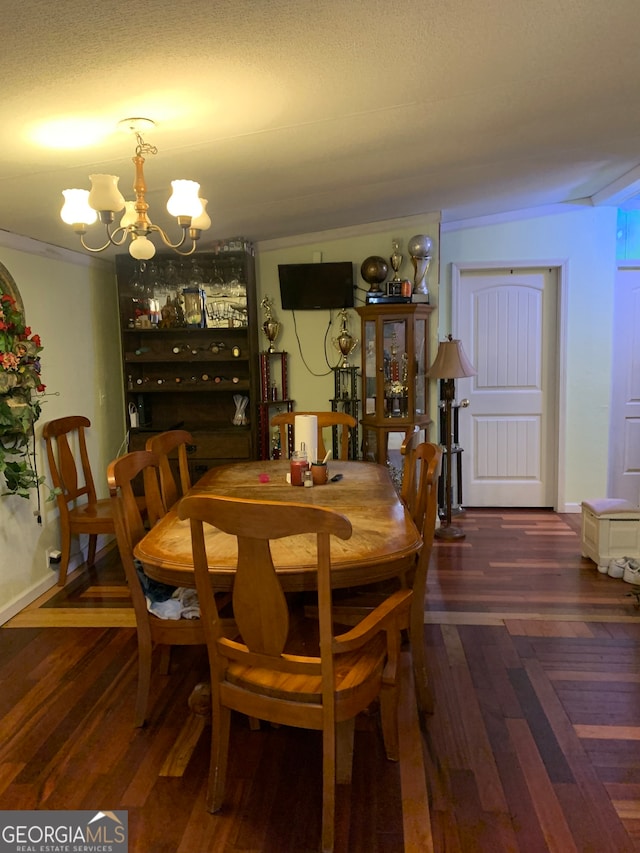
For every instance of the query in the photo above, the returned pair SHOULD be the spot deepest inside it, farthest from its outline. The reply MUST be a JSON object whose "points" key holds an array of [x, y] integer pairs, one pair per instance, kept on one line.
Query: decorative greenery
{"points": [[20, 382]]}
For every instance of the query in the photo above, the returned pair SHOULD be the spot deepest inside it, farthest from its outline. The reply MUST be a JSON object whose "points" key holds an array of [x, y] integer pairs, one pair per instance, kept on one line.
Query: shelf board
{"points": [[200, 358], [208, 386], [181, 330]]}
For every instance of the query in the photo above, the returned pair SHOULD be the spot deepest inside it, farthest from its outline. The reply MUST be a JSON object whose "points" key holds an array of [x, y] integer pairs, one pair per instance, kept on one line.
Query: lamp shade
{"points": [[76, 210], [184, 199], [104, 193], [141, 249], [203, 221], [451, 361]]}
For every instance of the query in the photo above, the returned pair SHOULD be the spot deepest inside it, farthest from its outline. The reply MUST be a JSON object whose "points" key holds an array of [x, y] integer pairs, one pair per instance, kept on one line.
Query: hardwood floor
{"points": [[534, 744]]}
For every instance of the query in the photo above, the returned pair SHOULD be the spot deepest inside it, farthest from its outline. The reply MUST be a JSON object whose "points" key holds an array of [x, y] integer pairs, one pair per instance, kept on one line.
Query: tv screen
{"points": [[313, 287]]}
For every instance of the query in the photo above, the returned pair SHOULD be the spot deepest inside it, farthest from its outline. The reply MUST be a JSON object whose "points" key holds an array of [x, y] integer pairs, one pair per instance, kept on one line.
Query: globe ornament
{"points": [[374, 271], [420, 248]]}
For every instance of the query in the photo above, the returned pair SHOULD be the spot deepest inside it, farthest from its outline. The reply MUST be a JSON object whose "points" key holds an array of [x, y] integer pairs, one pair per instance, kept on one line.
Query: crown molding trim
{"points": [[19, 243]]}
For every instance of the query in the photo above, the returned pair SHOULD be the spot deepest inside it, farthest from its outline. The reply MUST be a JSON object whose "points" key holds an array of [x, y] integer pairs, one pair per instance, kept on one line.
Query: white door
{"points": [[506, 320], [624, 430]]}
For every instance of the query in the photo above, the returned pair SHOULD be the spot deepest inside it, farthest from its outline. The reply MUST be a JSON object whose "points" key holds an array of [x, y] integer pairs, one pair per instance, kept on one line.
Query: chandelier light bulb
{"points": [[76, 210], [141, 249], [184, 199], [203, 221], [104, 193]]}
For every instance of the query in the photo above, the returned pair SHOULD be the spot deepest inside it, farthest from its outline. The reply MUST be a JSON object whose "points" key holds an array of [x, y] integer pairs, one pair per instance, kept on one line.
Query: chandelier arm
{"points": [[165, 239], [118, 241], [191, 250], [113, 239], [91, 249], [176, 246]]}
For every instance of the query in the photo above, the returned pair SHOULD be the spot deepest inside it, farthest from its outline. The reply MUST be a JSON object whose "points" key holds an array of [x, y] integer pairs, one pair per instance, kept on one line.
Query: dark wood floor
{"points": [[534, 744]]}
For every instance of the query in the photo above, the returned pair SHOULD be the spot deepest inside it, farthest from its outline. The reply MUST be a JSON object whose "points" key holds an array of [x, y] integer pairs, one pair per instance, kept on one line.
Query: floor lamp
{"points": [[450, 363]]}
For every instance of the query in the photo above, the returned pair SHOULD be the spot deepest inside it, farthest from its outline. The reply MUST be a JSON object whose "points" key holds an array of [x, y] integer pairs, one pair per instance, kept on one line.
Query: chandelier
{"points": [[81, 208]]}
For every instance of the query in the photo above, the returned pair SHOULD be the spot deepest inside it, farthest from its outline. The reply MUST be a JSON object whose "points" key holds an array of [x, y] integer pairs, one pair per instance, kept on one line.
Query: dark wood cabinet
{"points": [[189, 352]]}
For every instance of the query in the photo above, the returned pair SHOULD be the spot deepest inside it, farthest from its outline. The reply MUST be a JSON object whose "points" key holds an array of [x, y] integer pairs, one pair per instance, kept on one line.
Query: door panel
{"points": [[506, 320], [624, 438]]}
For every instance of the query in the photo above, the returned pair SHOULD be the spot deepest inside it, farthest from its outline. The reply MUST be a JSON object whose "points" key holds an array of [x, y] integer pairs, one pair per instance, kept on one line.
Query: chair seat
{"points": [[99, 515], [353, 669], [94, 514]]}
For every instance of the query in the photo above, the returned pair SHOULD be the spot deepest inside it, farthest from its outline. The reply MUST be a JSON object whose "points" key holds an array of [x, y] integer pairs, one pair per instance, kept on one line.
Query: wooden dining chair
{"points": [[81, 512], [408, 490], [262, 675], [168, 446], [424, 511], [422, 503], [341, 420], [129, 528]]}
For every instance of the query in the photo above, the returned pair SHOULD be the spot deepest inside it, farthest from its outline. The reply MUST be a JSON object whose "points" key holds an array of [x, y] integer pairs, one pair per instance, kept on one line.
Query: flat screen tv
{"points": [[314, 287]]}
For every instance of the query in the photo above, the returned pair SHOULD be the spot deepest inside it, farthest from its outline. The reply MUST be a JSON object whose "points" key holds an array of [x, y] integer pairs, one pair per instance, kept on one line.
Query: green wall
{"points": [[70, 301]]}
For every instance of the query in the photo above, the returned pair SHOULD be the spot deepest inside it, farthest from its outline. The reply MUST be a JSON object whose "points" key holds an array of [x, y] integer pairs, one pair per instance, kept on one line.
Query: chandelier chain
{"points": [[144, 147]]}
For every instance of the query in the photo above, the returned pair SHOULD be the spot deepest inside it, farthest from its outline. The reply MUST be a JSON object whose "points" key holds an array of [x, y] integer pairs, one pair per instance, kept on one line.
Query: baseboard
{"points": [[570, 507], [8, 611], [19, 603]]}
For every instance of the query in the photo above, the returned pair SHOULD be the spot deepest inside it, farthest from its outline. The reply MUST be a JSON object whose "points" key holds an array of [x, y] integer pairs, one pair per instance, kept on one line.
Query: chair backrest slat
{"points": [[344, 422], [259, 603], [128, 520], [165, 445], [65, 442]]}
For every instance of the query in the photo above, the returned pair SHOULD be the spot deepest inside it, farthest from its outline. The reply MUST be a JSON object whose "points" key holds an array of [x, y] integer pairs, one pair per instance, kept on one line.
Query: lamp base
{"points": [[449, 532]]}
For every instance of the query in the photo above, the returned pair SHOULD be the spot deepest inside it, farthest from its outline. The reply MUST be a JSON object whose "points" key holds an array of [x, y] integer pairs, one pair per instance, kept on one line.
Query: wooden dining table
{"points": [[383, 544]]}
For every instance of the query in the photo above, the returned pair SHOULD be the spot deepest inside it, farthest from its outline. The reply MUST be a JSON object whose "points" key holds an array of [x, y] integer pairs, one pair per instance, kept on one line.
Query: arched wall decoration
{"points": [[8, 285], [21, 389]]}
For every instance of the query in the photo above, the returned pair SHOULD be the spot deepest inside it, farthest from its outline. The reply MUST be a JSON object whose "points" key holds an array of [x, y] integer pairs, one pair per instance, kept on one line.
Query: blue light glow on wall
{"points": [[628, 235]]}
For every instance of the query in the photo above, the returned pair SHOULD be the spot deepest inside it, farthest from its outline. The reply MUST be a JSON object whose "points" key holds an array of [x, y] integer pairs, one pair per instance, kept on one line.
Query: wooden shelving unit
{"points": [[179, 375]]}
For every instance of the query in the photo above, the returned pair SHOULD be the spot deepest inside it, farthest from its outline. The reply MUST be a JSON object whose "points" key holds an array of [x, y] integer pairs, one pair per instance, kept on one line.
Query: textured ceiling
{"points": [[299, 116]]}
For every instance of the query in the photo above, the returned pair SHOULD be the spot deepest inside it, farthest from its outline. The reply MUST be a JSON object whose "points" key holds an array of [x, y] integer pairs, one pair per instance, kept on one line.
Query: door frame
{"points": [[615, 463], [561, 269]]}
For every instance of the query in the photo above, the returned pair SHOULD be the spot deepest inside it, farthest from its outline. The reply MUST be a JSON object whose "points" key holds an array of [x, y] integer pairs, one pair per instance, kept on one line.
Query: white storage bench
{"points": [[610, 529]]}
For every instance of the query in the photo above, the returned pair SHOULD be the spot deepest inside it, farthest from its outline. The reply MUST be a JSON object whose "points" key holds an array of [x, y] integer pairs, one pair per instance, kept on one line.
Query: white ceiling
{"points": [[298, 116]]}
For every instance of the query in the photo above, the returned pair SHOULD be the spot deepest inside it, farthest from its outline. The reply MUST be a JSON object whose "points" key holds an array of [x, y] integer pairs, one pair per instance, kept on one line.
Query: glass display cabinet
{"points": [[395, 360]]}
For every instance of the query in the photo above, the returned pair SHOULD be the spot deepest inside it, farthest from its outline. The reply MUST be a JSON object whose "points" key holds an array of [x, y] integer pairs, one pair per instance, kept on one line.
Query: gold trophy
{"points": [[270, 327], [345, 343], [394, 286]]}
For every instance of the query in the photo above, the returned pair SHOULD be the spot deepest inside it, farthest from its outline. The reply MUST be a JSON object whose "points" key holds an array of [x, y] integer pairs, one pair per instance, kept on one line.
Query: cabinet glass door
{"points": [[422, 383], [370, 373], [395, 369]]}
